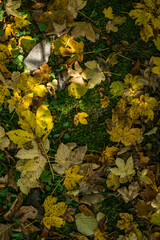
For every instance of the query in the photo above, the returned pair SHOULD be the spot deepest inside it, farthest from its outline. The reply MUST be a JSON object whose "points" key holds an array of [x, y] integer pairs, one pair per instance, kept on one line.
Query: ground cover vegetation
{"points": [[79, 119]]}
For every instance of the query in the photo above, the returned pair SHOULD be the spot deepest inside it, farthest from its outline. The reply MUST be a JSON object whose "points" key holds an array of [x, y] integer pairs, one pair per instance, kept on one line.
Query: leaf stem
{"points": [[86, 16], [95, 52], [57, 185], [113, 73], [130, 59], [47, 160]]}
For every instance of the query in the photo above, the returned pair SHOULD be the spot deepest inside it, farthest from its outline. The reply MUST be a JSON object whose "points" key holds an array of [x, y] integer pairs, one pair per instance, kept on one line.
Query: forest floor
{"points": [[79, 120]]}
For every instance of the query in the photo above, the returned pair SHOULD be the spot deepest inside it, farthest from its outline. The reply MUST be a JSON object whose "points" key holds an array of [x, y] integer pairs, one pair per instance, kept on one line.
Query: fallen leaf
{"points": [[72, 177], [108, 13], [77, 90], [82, 29], [86, 224], [124, 170], [53, 212], [38, 56], [80, 117], [67, 157], [130, 193], [93, 74], [12, 6], [84, 209], [4, 141], [112, 181]]}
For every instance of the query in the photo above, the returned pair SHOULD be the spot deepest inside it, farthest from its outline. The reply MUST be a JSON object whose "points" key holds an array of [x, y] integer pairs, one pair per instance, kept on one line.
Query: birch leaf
{"points": [[86, 224]]}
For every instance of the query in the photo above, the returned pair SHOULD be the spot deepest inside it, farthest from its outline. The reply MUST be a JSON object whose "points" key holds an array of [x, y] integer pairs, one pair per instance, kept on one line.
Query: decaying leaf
{"points": [[77, 90], [12, 6], [67, 157], [124, 170], [93, 74], [53, 212], [31, 171], [83, 29], [126, 222], [112, 181], [72, 177], [130, 193], [33, 126], [4, 141]]}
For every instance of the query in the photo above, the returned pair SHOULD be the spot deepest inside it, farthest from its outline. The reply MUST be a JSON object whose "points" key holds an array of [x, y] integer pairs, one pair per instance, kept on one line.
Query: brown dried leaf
{"points": [[84, 209], [67, 157], [82, 29], [91, 199]]}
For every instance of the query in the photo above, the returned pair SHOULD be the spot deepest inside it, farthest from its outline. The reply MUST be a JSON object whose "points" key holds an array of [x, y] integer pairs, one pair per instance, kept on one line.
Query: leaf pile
{"points": [[67, 83]]}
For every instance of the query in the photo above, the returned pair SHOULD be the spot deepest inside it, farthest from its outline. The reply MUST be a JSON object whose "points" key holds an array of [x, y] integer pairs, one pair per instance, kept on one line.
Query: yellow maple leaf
{"points": [[54, 212], [44, 122], [98, 235], [72, 177], [20, 137], [31, 171], [77, 90], [93, 73], [104, 102], [124, 170], [4, 92], [27, 43], [112, 181], [21, 21], [34, 126], [143, 107], [108, 12], [121, 131], [67, 46], [126, 222], [156, 61], [80, 117], [20, 103]]}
